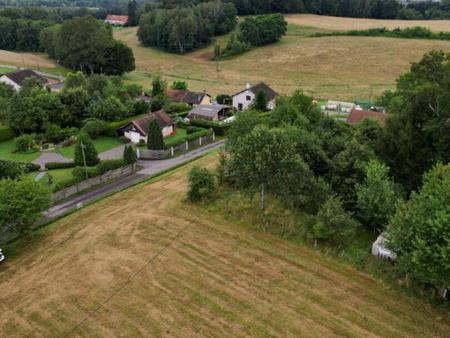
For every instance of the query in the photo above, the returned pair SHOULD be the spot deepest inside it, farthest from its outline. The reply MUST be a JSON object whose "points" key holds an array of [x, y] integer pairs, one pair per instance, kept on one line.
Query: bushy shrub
{"points": [[219, 129], [192, 129], [179, 85], [176, 107], [30, 167], [201, 184], [157, 103], [333, 224], [95, 128], [25, 143], [6, 133], [53, 133], [108, 165], [140, 107], [82, 173], [9, 169]]}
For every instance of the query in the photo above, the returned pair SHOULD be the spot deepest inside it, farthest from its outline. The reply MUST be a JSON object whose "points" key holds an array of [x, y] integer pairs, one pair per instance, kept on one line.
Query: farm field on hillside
{"points": [[32, 60], [343, 68], [339, 23], [145, 263]]}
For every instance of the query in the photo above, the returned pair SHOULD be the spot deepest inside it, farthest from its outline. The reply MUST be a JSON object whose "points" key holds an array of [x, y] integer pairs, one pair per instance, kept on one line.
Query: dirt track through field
{"points": [[145, 263]]}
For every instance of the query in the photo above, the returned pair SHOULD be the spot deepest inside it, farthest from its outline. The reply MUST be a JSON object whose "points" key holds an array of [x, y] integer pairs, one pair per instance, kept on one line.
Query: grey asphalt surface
{"points": [[149, 169]]}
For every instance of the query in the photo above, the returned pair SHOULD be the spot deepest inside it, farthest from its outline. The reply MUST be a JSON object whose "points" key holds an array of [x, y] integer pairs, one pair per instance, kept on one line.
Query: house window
{"points": [[248, 97], [240, 106]]}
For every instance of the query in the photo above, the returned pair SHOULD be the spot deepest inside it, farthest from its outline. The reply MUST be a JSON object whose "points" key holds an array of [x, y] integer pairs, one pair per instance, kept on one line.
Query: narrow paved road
{"points": [[150, 168]]}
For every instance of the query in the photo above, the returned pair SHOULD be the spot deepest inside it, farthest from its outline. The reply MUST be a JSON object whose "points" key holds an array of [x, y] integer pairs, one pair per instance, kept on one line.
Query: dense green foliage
{"points": [[85, 152], [377, 196], [129, 155], [417, 132], [183, 29], [420, 230], [86, 44], [21, 203], [84, 102], [9, 169], [253, 31], [201, 184], [377, 9], [155, 140], [262, 30]]}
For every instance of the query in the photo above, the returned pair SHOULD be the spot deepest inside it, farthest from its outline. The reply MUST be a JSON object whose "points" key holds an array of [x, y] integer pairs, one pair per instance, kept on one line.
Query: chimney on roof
{"points": [[248, 86]]}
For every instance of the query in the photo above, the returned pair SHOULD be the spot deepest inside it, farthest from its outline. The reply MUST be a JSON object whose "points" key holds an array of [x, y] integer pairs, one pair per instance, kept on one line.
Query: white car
{"points": [[2, 256]]}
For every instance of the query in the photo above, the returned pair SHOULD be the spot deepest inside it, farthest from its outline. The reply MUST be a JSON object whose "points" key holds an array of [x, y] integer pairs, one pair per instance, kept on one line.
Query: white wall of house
{"points": [[242, 101], [135, 137], [7, 80]]}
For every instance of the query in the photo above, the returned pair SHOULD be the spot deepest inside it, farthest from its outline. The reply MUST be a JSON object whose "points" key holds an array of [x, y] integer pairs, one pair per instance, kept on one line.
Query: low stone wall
{"points": [[146, 154], [92, 182]]}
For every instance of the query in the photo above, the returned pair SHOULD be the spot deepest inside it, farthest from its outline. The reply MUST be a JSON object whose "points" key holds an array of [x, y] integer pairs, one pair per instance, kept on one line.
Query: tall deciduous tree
{"points": [[260, 102], [420, 230], [21, 202], [155, 140], [377, 196]]}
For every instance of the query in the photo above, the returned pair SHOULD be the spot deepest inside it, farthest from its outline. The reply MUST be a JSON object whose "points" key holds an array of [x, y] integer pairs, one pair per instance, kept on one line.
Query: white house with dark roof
{"points": [[136, 130], [244, 99], [16, 79]]}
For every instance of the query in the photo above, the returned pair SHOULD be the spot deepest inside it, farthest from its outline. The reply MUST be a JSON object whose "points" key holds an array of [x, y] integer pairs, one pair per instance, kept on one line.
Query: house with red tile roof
{"points": [[357, 115], [117, 20]]}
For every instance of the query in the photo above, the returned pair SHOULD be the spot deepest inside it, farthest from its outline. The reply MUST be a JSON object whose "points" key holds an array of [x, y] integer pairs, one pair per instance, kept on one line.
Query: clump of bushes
{"points": [[25, 143], [95, 128], [202, 184]]}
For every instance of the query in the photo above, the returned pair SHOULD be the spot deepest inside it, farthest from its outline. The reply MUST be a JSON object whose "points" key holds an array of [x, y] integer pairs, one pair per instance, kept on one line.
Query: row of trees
{"points": [[379, 9], [22, 34], [350, 178], [183, 29]]}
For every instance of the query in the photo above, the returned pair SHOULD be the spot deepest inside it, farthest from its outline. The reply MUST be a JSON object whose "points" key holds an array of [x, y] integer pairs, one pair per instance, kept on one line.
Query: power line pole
{"points": [[84, 159]]}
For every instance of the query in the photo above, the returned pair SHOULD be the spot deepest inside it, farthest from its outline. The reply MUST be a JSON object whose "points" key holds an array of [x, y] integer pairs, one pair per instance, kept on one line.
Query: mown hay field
{"points": [[339, 23], [343, 67], [31, 60], [146, 263]]}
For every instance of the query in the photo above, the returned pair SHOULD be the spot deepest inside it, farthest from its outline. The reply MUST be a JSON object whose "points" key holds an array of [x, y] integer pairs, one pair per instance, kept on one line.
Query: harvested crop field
{"points": [[32, 60], [339, 23], [344, 67], [145, 263]]}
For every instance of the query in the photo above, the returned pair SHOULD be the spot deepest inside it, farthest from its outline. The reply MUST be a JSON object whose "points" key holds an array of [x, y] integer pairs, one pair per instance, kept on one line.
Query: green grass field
{"points": [[342, 68], [7, 153], [146, 263], [102, 144]]}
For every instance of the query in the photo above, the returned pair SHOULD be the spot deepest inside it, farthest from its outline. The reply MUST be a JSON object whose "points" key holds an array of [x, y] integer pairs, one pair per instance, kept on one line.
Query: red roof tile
{"points": [[357, 115]]}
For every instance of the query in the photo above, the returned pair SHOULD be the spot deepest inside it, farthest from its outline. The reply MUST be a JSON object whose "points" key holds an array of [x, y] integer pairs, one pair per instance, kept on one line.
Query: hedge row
{"points": [[219, 129], [6, 133], [59, 165], [189, 137], [79, 173]]}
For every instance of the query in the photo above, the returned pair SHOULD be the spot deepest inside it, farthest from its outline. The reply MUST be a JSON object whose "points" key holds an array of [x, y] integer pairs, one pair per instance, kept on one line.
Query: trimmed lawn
{"points": [[7, 153], [180, 135], [102, 144], [59, 175]]}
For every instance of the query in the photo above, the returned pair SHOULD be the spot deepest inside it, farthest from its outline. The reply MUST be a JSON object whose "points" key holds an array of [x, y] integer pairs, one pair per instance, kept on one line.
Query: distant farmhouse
{"points": [[117, 20], [16, 79], [357, 115], [244, 99], [136, 130], [212, 112], [186, 96]]}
